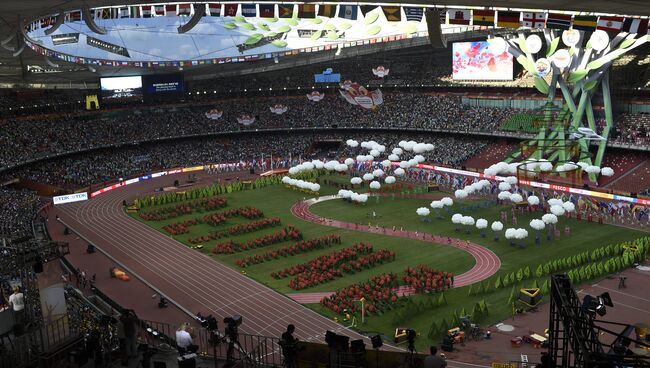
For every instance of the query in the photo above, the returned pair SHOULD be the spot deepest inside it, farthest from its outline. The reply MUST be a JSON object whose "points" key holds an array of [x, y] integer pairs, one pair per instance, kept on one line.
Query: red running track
{"points": [[189, 279], [486, 262]]}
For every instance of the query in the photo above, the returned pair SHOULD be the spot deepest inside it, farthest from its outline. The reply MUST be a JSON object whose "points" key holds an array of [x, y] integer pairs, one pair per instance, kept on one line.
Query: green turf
{"points": [[276, 201]]}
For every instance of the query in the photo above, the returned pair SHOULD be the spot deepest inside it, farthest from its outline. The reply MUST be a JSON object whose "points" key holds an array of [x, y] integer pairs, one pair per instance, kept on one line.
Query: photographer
{"points": [[184, 341], [289, 346]]}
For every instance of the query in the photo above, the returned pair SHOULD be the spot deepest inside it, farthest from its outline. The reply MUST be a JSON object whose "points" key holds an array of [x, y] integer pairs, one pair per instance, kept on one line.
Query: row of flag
{"points": [[514, 19], [490, 18]]}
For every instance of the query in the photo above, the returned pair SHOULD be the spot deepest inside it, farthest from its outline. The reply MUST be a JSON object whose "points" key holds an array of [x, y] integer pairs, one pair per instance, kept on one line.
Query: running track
{"points": [[486, 262], [189, 279]]}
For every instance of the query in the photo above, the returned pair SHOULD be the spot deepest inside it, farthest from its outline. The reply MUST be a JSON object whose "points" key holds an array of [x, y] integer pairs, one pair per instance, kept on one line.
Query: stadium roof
{"points": [[14, 69]]}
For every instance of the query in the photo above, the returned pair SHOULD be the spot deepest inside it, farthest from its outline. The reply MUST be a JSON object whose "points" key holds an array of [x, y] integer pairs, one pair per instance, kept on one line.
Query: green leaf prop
{"points": [[292, 22], [577, 75], [263, 26], [271, 34], [626, 43], [316, 35], [371, 18], [247, 26], [329, 27], [317, 20], [239, 19], [541, 85], [331, 35], [284, 29], [345, 25], [272, 20], [253, 39], [229, 25], [373, 30], [590, 85], [553, 47], [279, 43], [527, 64], [409, 28]]}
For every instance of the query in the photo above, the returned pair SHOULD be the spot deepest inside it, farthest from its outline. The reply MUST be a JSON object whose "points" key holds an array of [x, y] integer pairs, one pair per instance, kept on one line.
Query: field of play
{"points": [[411, 271]]}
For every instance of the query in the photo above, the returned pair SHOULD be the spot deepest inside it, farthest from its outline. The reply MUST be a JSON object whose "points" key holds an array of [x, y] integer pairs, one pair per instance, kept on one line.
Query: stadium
{"points": [[320, 184]]}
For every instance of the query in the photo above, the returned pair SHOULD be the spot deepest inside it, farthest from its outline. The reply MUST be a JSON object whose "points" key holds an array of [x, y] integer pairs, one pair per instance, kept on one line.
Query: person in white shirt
{"points": [[184, 340], [17, 303]]}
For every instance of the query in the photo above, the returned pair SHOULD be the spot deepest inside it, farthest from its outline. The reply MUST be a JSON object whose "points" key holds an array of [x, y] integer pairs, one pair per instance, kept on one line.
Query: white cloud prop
{"points": [[537, 224], [481, 223], [423, 211], [569, 206], [497, 226], [460, 194], [375, 185], [554, 202], [512, 180], [390, 180], [356, 181], [437, 204], [393, 157], [375, 153], [467, 221], [341, 167], [399, 171], [397, 151], [318, 164], [549, 218], [510, 233], [352, 143], [349, 161], [557, 210], [504, 186], [457, 218], [504, 196], [533, 200], [592, 169], [378, 173], [368, 176], [447, 201], [386, 163], [516, 198], [607, 171]]}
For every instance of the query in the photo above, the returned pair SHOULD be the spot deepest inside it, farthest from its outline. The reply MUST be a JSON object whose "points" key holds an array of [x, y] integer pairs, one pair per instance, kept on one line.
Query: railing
{"points": [[253, 350]]}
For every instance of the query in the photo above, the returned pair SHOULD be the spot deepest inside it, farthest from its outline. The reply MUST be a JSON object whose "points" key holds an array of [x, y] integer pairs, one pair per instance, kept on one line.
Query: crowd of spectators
{"points": [[106, 164], [17, 208], [633, 129], [22, 139]]}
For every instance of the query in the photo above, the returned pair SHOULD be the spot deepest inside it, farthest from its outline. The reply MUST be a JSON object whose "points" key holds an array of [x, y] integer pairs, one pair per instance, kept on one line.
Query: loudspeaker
{"points": [[377, 342], [187, 361], [357, 346], [78, 357], [436, 38]]}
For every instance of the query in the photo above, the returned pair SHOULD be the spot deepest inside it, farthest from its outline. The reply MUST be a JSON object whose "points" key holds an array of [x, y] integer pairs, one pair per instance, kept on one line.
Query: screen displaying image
{"points": [[121, 87], [475, 61], [168, 83]]}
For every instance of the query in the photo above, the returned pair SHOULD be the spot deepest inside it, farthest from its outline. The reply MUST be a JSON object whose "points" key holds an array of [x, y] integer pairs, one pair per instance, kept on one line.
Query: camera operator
{"points": [[289, 346], [232, 335], [184, 341]]}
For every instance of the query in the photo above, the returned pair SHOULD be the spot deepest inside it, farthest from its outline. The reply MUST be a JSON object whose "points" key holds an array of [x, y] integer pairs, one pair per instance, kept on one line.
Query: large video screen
{"points": [[168, 83], [121, 87], [475, 61]]}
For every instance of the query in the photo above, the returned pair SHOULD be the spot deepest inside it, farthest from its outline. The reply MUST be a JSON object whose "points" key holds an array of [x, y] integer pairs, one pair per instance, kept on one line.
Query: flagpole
{"points": [[271, 161]]}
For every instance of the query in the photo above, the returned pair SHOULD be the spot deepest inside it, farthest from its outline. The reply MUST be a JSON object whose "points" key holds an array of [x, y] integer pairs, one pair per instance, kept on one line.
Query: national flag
{"points": [[146, 11], [635, 25], [585, 22], [348, 12], [135, 11], [184, 9], [533, 20], [248, 10], [267, 10], [483, 18], [365, 9], [230, 10], [459, 16], [74, 16], [558, 21], [285, 10], [46, 22], [124, 12], [413, 14], [170, 10], [508, 19], [327, 10], [392, 13], [159, 10], [306, 11], [215, 9], [610, 24]]}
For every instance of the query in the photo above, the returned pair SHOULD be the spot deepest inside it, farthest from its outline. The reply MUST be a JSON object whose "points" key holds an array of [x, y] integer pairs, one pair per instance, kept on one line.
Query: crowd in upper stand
{"points": [[105, 165], [17, 208], [28, 138]]}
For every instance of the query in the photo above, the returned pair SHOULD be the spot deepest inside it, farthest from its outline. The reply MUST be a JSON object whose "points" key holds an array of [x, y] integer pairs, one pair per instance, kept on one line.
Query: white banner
{"points": [[69, 198]]}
